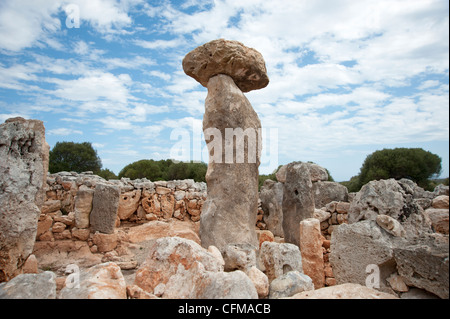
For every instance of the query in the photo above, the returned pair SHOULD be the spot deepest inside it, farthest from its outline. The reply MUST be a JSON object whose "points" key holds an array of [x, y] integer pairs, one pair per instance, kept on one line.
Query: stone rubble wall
{"points": [[69, 197], [331, 216]]}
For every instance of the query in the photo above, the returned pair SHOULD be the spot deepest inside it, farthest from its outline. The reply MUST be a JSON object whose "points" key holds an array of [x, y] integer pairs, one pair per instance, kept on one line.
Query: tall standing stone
{"points": [[311, 250], [298, 200], [271, 196], [105, 207], [232, 133], [23, 172]]}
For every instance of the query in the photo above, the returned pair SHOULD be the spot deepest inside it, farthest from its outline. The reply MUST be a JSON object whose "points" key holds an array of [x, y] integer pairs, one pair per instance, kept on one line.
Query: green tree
{"points": [[412, 163], [107, 174], [77, 157], [165, 170]]}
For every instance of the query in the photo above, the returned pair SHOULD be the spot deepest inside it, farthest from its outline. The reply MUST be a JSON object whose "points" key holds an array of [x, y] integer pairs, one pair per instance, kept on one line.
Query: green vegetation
{"points": [[107, 174], [165, 170], [77, 157], [415, 164]]}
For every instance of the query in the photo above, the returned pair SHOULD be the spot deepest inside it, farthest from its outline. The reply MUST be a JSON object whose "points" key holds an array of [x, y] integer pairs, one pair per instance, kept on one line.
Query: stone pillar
{"points": [[311, 250], [298, 200], [23, 173], [105, 207], [232, 133]]}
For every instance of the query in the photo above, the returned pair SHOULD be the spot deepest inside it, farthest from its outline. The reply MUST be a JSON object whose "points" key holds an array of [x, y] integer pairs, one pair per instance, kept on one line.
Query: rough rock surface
{"points": [[311, 250], [390, 225], [325, 192], [385, 197], [24, 157], [128, 203], [271, 195], [103, 281], [245, 65], [83, 206], [354, 247], [289, 284], [30, 286], [344, 291], [391, 232], [277, 259], [298, 200], [195, 282], [105, 206], [229, 212], [425, 265], [239, 257], [164, 258]]}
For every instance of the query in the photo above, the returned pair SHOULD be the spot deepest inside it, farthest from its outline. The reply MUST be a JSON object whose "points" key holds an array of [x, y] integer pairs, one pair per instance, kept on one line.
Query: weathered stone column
{"points": [[298, 200], [232, 133], [311, 250], [23, 173]]}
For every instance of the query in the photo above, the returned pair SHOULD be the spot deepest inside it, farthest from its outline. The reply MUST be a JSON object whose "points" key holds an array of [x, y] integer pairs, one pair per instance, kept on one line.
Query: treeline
{"points": [[415, 164], [165, 170], [82, 157]]}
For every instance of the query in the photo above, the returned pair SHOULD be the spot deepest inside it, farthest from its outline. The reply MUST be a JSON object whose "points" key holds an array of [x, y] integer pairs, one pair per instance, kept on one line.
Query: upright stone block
{"points": [[311, 250], [23, 172], [298, 200], [105, 207]]}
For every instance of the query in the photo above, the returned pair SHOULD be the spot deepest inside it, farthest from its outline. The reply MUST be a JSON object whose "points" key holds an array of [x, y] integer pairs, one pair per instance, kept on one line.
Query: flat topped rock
{"points": [[244, 65]]}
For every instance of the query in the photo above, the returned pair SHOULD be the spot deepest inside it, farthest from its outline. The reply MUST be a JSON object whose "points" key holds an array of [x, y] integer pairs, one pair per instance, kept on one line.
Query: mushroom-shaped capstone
{"points": [[244, 65]]}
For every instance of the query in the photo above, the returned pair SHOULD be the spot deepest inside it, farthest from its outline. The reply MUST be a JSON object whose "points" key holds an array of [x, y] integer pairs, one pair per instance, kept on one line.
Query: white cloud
{"points": [[160, 44], [428, 84], [63, 131], [103, 15], [98, 145], [81, 47], [95, 86], [24, 23]]}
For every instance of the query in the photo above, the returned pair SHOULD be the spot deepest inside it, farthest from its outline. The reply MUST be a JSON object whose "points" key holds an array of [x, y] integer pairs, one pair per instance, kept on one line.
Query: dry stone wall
{"points": [[77, 205]]}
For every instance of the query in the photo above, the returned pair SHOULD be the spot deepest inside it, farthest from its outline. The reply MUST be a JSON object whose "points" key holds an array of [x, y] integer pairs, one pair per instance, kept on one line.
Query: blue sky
{"points": [[347, 78]]}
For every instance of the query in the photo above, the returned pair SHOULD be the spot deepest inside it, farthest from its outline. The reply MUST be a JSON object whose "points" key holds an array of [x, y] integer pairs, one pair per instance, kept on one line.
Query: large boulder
{"points": [[165, 256], [424, 264], [128, 203], [24, 155], [245, 65], [195, 282], [384, 197], [344, 291], [277, 259], [355, 247], [271, 195], [326, 192], [289, 284], [103, 281], [391, 234], [30, 286], [298, 200]]}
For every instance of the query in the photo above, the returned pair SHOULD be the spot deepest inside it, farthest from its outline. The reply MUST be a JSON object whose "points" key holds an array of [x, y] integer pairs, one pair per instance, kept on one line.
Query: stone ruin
{"points": [[76, 235]]}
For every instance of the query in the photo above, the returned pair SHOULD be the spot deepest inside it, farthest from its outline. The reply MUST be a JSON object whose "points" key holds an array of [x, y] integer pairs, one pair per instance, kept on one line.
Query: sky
{"points": [[347, 78]]}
